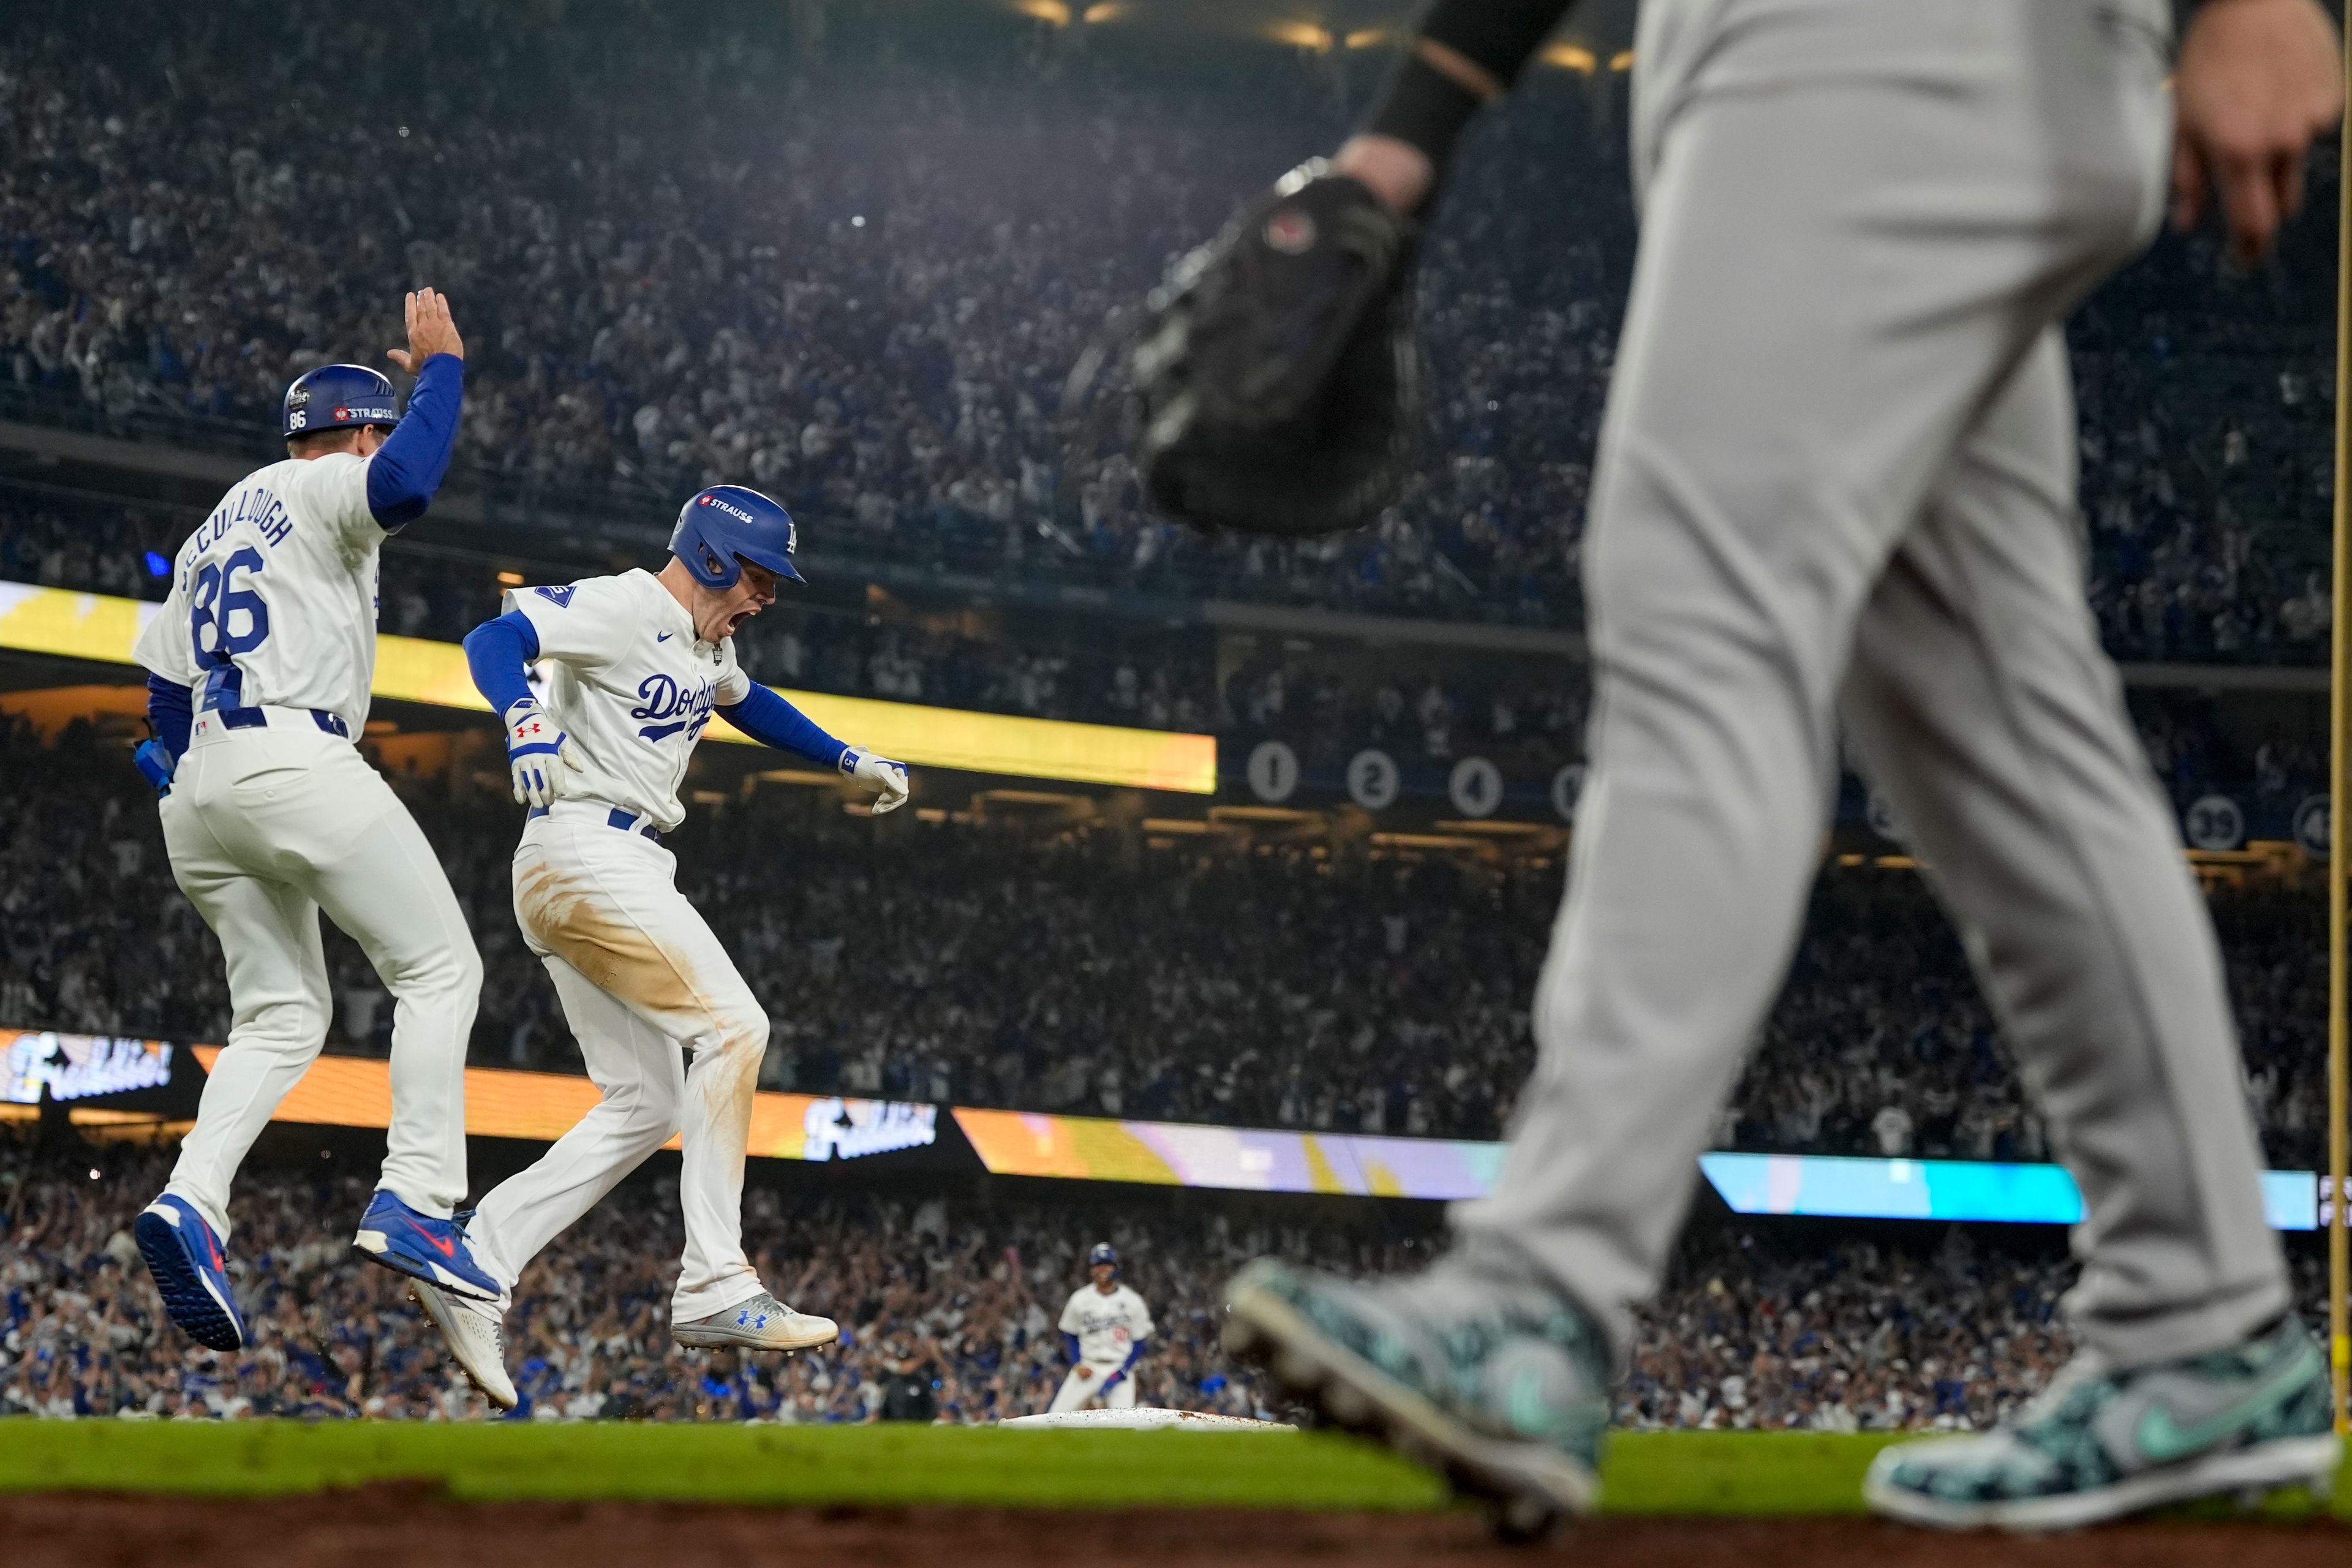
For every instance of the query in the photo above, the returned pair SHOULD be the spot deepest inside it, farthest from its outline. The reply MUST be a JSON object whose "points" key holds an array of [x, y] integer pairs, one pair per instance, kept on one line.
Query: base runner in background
{"points": [[262, 658], [638, 663], [1105, 1324], [1835, 491]]}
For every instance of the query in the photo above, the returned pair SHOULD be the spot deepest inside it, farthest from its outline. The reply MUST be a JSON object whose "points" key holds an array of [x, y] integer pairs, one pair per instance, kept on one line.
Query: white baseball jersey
{"points": [[631, 685], [273, 597], [1108, 1326]]}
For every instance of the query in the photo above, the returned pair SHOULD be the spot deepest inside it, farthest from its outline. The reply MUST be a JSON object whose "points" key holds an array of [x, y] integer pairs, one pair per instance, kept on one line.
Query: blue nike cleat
{"points": [[191, 1275], [422, 1247]]}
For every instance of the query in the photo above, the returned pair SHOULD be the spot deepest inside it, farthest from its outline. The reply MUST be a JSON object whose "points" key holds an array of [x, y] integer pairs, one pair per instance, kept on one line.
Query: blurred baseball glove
{"points": [[1276, 366]]}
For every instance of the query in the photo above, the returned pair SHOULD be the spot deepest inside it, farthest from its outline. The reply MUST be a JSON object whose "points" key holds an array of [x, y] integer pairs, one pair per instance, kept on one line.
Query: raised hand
{"points": [[431, 331]]}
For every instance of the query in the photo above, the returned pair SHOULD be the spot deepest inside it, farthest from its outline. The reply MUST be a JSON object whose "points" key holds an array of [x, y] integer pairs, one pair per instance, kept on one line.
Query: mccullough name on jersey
{"points": [[273, 596]]}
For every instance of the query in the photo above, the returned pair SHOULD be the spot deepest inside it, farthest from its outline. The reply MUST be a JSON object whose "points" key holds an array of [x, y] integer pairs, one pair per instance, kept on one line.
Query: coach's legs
{"points": [[1980, 702], [278, 1007], [386, 887], [606, 904], [1757, 469], [641, 1076]]}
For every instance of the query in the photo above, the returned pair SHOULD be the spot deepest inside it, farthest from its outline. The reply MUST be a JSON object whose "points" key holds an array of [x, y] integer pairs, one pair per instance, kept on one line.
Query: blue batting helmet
{"points": [[338, 397], [729, 523], [1102, 1252]]}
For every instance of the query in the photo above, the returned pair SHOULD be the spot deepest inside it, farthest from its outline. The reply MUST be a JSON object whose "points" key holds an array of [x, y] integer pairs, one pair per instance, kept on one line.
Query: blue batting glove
{"points": [[156, 760], [877, 773], [533, 744]]}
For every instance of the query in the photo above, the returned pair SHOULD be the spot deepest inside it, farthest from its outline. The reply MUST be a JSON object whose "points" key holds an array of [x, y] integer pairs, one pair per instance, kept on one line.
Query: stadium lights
{"points": [[1301, 35], [1623, 60], [1102, 11], [1051, 11], [1366, 37], [1571, 57]]}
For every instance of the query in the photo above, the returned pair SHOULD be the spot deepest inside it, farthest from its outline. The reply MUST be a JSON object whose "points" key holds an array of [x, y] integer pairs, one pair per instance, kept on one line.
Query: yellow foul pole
{"points": [[2339, 798]]}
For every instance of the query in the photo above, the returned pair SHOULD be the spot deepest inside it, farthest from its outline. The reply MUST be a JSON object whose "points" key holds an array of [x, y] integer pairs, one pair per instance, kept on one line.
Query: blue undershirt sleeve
{"points": [[773, 721], [170, 707], [1070, 1342], [496, 652], [407, 468]]}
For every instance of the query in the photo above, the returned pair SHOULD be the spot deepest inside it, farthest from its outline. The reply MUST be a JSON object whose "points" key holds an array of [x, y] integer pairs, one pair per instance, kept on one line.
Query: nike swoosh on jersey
{"points": [[2163, 1439], [661, 636]]}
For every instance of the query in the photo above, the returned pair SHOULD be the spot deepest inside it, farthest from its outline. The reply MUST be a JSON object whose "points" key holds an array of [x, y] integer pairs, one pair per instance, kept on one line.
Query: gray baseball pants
{"points": [[1836, 488]]}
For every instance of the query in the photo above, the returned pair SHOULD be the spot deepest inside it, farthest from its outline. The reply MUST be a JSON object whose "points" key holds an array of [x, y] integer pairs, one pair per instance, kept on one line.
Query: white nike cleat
{"points": [[476, 1343], [761, 1324]]}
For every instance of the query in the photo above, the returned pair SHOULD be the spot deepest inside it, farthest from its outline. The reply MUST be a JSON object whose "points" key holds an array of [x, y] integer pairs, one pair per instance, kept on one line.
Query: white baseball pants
{"points": [[645, 986], [266, 827], [1836, 482], [1114, 1388]]}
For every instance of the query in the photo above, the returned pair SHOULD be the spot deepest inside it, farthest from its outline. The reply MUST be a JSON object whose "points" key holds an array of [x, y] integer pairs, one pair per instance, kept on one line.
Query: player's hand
{"points": [[431, 331], [533, 744], [154, 760], [1086, 1373], [2258, 80], [880, 774]]}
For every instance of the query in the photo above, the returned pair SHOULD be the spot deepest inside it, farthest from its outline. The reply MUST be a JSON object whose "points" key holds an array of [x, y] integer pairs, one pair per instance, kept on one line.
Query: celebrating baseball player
{"points": [[262, 657], [637, 664], [1835, 489], [1105, 1324]]}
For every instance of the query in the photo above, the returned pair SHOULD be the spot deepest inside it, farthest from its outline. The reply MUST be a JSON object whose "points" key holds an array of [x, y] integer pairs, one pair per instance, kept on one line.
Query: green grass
{"points": [[1754, 1474]]}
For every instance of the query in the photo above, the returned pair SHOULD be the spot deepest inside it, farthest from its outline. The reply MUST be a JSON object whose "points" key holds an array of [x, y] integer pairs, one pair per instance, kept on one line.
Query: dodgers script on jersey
{"points": [[273, 597], [631, 685], [1108, 1326]]}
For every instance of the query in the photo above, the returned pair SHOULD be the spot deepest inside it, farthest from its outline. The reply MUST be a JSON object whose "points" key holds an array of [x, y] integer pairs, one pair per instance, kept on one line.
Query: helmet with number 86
{"points": [[338, 397]]}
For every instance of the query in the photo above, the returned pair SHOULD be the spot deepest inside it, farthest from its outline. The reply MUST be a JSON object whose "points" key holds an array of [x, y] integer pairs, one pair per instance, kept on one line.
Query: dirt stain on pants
{"points": [[579, 926]]}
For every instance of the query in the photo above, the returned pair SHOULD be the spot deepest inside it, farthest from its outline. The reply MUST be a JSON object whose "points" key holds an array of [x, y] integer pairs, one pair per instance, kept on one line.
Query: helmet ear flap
{"points": [[714, 570]]}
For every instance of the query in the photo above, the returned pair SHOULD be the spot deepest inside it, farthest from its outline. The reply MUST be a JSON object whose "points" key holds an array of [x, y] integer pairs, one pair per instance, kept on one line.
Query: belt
{"points": [[614, 817], [263, 717], [257, 718]]}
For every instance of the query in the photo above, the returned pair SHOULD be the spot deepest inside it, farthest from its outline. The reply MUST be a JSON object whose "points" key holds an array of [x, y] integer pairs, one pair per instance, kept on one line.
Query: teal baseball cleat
{"points": [[2096, 1445], [1504, 1393]]}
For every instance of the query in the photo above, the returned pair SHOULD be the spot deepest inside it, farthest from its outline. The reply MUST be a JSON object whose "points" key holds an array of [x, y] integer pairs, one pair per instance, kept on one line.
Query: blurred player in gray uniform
{"points": [[1835, 489]]}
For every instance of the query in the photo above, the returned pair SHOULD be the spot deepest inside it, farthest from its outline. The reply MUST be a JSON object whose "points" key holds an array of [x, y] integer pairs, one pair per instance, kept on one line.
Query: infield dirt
{"points": [[409, 1523]]}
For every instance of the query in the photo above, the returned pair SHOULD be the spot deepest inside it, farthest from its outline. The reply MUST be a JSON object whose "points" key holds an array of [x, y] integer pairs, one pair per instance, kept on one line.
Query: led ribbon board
{"points": [[1175, 1154], [1025, 1143], [102, 627], [77, 1066], [1838, 1186], [356, 1091]]}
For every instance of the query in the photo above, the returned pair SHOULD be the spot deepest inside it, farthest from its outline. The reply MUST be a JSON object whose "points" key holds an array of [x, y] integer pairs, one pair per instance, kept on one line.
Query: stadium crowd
{"points": [[1091, 973], [947, 1309], [692, 244], [1328, 703]]}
